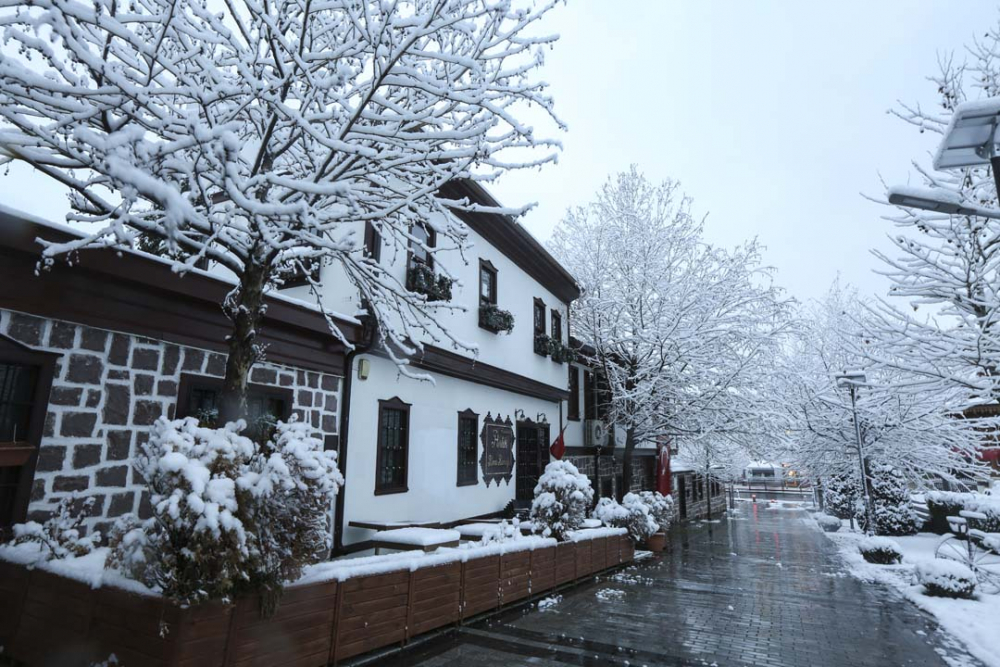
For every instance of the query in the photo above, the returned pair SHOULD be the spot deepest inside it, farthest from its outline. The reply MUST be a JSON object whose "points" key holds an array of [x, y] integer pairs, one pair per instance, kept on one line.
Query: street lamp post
{"points": [[852, 380], [970, 140]]}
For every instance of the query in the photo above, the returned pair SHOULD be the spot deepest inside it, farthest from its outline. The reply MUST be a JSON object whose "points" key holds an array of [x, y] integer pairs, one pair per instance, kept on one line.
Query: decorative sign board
{"points": [[497, 461]]}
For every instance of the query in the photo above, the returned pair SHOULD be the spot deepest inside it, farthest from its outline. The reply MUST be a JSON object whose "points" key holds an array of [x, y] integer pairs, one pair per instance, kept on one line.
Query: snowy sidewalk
{"points": [[766, 588]]}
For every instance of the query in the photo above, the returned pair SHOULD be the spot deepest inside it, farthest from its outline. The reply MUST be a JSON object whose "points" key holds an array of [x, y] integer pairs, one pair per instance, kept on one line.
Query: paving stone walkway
{"points": [[764, 588]]}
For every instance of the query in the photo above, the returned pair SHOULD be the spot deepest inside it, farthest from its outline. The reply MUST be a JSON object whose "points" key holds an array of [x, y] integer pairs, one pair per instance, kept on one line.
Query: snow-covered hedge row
{"points": [[946, 578], [229, 515], [562, 497], [880, 550], [942, 504], [632, 514]]}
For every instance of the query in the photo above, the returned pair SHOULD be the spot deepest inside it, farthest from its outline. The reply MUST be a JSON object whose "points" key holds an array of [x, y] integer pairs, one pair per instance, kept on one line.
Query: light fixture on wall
{"points": [[541, 418], [364, 369], [519, 415]]}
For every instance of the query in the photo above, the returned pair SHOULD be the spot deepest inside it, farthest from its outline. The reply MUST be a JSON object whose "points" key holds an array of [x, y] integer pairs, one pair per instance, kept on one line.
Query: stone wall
{"points": [[108, 389], [602, 472], [698, 504]]}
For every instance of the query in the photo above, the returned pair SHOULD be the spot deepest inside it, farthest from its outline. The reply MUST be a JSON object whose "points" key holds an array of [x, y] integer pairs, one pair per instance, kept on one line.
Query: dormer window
{"points": [[423, 239], [487, 283]]}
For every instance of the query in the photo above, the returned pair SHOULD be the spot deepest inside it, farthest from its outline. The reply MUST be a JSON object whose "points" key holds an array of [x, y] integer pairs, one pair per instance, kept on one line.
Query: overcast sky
{"points": [[771, 114]]}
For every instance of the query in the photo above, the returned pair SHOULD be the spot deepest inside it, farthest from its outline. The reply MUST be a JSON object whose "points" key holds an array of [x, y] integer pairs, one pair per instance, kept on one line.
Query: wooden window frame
{"points": [[538, 306], [394, 403], [411, 259], [191, 381], [555, 324], [486, 266], [573, 404], [474, 480], [14, 352], [372, 242]]}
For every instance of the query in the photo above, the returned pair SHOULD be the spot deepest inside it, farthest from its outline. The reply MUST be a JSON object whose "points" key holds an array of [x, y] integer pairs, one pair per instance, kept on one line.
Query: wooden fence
{"points": [[49, 619]]}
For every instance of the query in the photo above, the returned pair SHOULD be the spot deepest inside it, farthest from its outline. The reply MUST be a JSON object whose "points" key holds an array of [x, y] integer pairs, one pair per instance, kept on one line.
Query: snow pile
{"points": [[946, 578], [420, 537], [228, 514], [562, 497], [549, 602], [880, 550], [829, 524]]}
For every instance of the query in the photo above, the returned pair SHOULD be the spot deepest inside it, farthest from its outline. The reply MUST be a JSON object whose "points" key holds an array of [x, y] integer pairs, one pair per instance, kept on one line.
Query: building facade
{"points": [[92, 354]]}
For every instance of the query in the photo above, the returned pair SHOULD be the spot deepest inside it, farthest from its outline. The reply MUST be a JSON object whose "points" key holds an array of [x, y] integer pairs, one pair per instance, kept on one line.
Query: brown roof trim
{"points": [[445, 362], [141, 295], [512, 239]]}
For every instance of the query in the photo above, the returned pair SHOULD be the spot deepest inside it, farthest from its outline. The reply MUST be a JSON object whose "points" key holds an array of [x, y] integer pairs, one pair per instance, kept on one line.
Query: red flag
{"points": [[558, 447], [664, 483]]}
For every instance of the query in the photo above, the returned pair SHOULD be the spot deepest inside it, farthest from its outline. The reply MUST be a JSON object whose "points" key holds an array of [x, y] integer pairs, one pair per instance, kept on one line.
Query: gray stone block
{"points": [[120, 346], [78, 424], [145, 359], [121, 503], [85, 456], [85, 369], [117, 403], [93, 339], [119, 445], [62, 335], [147, 412], [116, 476], [66, 396], [70, 483], [26, 328]]}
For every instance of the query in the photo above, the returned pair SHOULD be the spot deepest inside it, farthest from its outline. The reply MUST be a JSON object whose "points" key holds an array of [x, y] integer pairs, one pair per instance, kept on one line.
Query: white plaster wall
{"points": [[516, 291], [433, 494]]}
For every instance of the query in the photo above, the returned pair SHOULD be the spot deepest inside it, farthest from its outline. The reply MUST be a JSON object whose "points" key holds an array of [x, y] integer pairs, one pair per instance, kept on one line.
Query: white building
{"points": [[478, 437]]}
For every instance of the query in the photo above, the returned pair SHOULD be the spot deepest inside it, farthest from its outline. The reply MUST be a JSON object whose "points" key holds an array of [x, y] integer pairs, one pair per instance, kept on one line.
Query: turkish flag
{"points": [[558, 447], [663, 477]]}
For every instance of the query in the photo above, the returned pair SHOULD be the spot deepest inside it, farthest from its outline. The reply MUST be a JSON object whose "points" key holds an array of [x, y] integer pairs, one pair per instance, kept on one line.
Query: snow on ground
{"points": [[975, 622], [546, 603]]}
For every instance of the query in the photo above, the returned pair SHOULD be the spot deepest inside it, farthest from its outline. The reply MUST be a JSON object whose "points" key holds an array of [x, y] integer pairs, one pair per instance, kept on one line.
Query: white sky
{"points": [[772, 114]]}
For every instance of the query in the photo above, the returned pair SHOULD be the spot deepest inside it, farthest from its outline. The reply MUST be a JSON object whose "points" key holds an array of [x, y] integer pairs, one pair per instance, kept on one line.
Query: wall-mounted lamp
{"points": [[519, 414], [541, 418], [364, 368]]}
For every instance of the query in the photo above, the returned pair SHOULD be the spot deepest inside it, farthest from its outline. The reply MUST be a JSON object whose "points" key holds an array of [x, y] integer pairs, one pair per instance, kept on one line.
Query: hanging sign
{"points": [[497, 461]]}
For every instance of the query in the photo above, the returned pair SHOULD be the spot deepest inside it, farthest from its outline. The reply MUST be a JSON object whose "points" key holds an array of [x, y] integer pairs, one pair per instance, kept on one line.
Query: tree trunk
{"points": [[708, 496], [244, 307], [627, 461]]}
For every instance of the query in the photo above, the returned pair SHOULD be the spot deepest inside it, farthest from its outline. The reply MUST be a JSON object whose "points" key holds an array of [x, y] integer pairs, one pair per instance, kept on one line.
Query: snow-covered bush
{"points": [[562, 497], [890, 499], [946, 578], [632, 514], [660, 507], [228, 515], [829, 524], [880, 550], [61, 536], [840, 496], [505, 531]]}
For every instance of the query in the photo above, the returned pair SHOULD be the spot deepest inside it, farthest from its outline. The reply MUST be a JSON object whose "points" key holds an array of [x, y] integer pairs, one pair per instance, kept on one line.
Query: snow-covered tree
{"points": [[680, 329], [262, 137], [562, 497], [891, 510], [946, 268], [921, 434]]}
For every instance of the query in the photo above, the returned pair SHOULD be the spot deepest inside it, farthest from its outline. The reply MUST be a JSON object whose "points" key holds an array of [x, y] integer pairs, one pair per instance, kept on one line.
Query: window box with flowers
{"points": [[561, 353], [543, 344], [421, 279], [495, 319]]}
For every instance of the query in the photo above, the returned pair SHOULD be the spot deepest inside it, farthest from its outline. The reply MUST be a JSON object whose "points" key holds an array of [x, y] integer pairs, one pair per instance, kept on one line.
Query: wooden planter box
{"points": [[298, 633], [584, 564], [627, 549], [372, 613], [656, 543], [14, 454], [515, 576], [543, 570], [612, 551], [598, 554], [565, 563], [436, 598], [480, 586], [49, 619]]}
